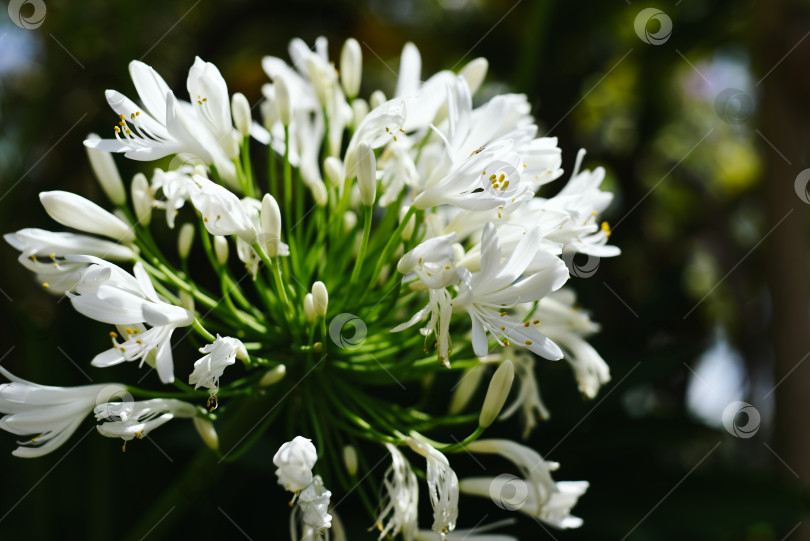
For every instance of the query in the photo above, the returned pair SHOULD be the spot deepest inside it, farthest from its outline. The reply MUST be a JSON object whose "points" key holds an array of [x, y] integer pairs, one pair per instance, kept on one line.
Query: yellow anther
{"points": [[505, 185], [526, 324], [606, 228], [528, 342], [506, 342], [122, 117], [117, 129], [46, 285], [52, 256], [503, 328], [500, 179], [132, 116], [503, 314], [536, 321], [138, 342], [128, 132], [129, 330]]}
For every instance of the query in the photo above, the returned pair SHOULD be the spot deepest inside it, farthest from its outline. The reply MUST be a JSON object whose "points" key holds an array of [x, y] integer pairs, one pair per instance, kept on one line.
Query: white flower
{"points": [[223, 213], [547, 500], [219, 355], [51, 413], [313, 503], [128, 420], [210, 101], [75, 211], [108, 294], [174, 188], [528, 400], [442, 487], [295, 460], [166, 125], [399, 503]]}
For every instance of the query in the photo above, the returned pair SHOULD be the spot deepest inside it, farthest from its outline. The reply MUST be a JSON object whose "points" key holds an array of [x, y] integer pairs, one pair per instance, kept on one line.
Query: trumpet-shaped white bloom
{"points": [[399, 503], [75, 211], [546, 500], [108, 294], [442, 487], [222, 212], [295, 460], [51, 414], [218, 356], [313, 503], [128, 419]]}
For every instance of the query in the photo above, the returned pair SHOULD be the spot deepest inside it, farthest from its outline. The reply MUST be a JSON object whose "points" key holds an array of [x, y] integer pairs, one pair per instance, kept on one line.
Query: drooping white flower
{"points": [[109, 294], [50, 414], [222, 212], [313, 503], [75, 211], [166, 125], [399, 503], [222, 353], [442, 487], [546, 500], [295, 460], [136, 419]]}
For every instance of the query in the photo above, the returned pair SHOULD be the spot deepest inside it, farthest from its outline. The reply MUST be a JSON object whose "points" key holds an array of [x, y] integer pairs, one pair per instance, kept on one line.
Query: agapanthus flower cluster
{"points": [[329, 255]]}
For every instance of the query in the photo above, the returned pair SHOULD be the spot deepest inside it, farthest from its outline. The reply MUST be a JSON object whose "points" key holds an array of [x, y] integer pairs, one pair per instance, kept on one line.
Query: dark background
{"points": [[708, 303]]}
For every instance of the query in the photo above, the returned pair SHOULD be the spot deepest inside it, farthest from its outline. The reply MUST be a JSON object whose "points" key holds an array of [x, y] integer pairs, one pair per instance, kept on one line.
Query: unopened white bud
{"points": [[273, 376], [323, 78], [497, 393], [184, 240], [320, 297], [474, 73], [334, 170], [407, 232], [141, 199], [351, 67], [79, 213], [309, 308], [271, 225], [221, 249], [350, 459], [377, 99], [319, 194], [240, 109], [106, 173], [359, 111], [366, 173], [465, 389], [186, 300], [205, 429], [269, 112], [349, 221], [283, 104]]}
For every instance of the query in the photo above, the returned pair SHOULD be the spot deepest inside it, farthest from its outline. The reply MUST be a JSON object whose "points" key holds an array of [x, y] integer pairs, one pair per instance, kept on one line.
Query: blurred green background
{"points": [[703, 136]]}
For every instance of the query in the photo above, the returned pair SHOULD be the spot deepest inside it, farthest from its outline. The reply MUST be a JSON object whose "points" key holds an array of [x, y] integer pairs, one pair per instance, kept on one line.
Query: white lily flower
{"points": [[128, 420], [399, 503], [442, 487], [75, 211], [546, 500], [295, 460], [173, 185], [219, 355], [210, 101], [223, 213], [51, 413], [108, 294], [164, 125]]}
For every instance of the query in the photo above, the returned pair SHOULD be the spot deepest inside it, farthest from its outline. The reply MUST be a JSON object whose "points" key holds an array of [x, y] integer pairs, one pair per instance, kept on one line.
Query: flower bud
{"points": [[240, 109], [205, 429], [359, 111], [350, 459], [465, 389], [141, 199], [295, 460], [351, 67], [106, 173], [497, 393], [474, 73], [271, 225], [377, 99], [323, 78], [320, 298], [349, 221], [366, 173], [318, 189], [273, 376], [309, 308], [335, 172], [75, 211], [407, 232], [283, 100], [269, 112], [184, 240], [221, 249], [186, 300]]}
